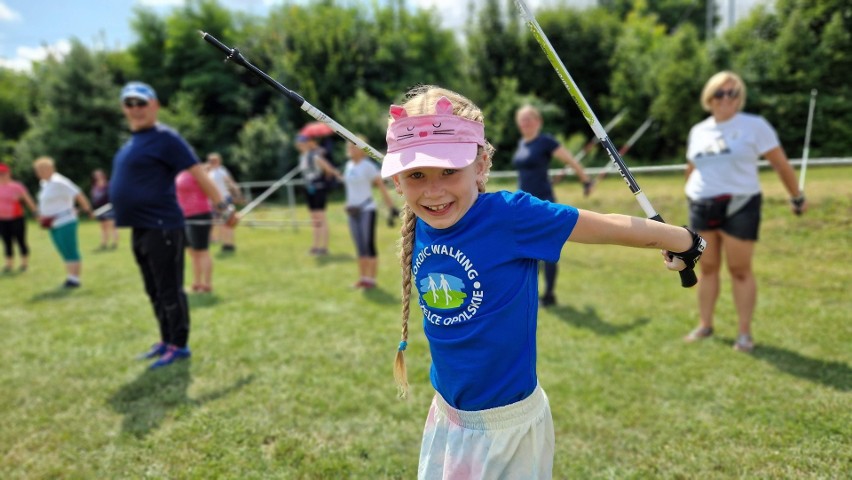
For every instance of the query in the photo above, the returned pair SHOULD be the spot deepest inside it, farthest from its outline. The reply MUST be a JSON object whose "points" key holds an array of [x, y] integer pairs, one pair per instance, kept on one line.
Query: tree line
{"points": [[351, 60]]}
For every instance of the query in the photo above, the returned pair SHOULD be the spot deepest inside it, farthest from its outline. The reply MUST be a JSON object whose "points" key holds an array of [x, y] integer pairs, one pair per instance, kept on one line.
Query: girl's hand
{"points": [[687, 259], [673, 263]]}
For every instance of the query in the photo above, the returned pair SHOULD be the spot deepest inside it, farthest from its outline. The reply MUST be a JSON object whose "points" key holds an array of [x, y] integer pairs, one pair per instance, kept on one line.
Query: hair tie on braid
{"points": [[402, 345]]}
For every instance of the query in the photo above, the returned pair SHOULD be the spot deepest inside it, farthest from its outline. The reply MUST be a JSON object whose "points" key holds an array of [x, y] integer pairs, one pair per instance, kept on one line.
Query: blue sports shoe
{"points": [[172, 355], [157, 350]]}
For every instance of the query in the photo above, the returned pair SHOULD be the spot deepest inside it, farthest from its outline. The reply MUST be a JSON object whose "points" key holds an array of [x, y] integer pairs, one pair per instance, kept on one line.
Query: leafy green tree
{"points": [[16, 97], [78, 121], [263, 150], [149, 51], [184, 115], [679, 76], [364, 115], [672, 14], [784, 53], [494, 46], [173, 58], [584, 41], [327, 52], [633, 80]]}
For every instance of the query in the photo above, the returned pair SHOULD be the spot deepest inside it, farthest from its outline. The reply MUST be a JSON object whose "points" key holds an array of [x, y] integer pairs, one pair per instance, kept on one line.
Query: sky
{"points": [[30, 29]]}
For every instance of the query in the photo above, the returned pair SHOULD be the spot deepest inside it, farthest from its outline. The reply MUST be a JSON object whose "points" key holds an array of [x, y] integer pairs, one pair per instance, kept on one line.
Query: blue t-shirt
{"points": [[477, 285], [532, 160], [142, 187]]}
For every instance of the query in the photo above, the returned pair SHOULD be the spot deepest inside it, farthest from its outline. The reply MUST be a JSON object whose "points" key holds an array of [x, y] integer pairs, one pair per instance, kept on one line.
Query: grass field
{"points": [[291, 373]]}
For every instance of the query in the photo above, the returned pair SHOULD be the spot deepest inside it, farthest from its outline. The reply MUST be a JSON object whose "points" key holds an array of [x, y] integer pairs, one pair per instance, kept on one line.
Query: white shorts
{"points": [[511, 442]]}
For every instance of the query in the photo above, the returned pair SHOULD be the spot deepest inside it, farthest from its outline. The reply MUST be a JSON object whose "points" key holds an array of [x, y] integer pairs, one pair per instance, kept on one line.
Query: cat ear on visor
{"points": [[439, 140]]}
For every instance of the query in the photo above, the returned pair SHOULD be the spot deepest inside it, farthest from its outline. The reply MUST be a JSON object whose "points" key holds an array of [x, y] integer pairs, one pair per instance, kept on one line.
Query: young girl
{"points": [[473, 258], [360, 175]]}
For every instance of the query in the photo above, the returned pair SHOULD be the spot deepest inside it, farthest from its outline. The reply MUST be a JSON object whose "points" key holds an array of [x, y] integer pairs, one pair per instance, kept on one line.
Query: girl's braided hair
{"points": [[421, 100]]}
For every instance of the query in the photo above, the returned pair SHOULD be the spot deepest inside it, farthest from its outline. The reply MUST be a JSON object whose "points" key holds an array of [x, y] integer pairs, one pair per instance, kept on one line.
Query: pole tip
{"points": [[202, 33]]}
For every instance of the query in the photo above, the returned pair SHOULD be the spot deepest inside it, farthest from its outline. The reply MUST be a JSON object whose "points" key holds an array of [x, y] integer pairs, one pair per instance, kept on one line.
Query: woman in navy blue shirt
{"points": [[532, 159]]}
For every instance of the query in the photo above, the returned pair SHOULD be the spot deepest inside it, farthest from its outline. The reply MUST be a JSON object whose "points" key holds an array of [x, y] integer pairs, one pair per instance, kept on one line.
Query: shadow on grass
{"points": [[837, 375], [146, 401], [224, 255], [589, 319], [333, 258], [58, 293], [379, 295], [202, 300]]}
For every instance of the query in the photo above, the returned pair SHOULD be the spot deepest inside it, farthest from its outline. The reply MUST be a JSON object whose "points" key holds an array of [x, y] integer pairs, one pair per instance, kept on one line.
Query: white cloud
{"points": [[25, 56], [7, 14]]}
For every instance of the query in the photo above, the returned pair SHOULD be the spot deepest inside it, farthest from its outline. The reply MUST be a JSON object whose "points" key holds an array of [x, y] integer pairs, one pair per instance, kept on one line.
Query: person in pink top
{"points": [[198, 212], [13, 227]]}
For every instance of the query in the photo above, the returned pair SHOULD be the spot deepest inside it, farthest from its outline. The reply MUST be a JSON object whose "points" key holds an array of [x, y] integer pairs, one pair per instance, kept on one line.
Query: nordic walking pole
{"points": [[594, 141], [235, 56], [626, 147], [687, 276], [807, 147]]}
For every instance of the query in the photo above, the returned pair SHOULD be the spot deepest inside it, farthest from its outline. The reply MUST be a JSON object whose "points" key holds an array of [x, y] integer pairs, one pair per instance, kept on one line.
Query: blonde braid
{"points": [[406, 249], [419, 101]]}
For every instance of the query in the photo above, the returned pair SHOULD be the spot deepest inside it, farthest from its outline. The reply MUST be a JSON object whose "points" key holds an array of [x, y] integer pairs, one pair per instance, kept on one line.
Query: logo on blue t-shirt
{"points": [[442, 291], [447, 298]]}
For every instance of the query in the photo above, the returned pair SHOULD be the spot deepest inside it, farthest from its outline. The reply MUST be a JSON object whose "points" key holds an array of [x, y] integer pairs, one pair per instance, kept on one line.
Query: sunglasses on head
{"points": [[135, 102], [720, 94]]}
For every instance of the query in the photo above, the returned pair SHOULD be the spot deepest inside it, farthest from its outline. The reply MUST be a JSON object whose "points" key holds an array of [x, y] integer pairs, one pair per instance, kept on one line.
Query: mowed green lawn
{"points": [[291, 373]]}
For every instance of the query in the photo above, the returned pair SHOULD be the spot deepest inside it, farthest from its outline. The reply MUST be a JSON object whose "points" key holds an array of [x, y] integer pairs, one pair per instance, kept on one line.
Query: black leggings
{"points": [[160, 256], [14, 230]]}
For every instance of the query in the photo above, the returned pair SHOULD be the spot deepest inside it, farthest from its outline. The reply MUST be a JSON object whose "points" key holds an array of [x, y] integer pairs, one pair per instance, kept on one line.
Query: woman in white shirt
{"points": [[725, 197], [56, 200]]}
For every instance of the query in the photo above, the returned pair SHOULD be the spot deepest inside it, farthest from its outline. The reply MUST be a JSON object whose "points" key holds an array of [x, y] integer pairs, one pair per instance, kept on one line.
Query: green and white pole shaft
{"points": [[687, 276], [807, 147], [627, 146], [594, 141]]}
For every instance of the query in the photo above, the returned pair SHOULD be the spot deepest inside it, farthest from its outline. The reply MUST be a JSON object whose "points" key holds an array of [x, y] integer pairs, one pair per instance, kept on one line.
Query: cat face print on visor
{"points": [[441, 140]]}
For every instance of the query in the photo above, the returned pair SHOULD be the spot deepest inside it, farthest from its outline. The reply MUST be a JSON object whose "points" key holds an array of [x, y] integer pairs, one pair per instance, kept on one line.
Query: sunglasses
{"points": [[135, 102], [720, 94]]}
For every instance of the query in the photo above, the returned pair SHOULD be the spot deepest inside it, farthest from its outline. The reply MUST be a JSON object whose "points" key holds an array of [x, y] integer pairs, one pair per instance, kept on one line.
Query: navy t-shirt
{"points": [[142, 187], [477, 286], [532, 160]]}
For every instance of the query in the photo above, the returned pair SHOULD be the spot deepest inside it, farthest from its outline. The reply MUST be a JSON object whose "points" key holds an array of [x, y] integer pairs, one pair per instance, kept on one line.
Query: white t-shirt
{"points": [[725, 155], [56, 199], [219, 175], [359, 178]]}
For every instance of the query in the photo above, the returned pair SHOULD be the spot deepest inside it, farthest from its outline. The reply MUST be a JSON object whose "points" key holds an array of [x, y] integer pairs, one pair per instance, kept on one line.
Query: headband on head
{"points": [[441, 140]]}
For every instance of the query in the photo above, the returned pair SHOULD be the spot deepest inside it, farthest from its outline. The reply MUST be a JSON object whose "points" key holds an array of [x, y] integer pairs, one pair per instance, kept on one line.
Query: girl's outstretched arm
{"points": [[680, 247], [615, 229]]}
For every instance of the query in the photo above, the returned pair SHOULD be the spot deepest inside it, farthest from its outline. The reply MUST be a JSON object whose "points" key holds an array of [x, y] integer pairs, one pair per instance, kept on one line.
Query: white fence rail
{"points": [[290, 181]]}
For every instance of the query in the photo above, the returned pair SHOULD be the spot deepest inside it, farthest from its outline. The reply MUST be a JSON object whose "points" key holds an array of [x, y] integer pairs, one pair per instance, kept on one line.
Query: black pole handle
{"points": [[687, 275]]}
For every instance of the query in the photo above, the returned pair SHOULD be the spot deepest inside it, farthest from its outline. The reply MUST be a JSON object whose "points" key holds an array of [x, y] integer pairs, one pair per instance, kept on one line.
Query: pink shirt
{"points": [[191, 197], [10, 200]]}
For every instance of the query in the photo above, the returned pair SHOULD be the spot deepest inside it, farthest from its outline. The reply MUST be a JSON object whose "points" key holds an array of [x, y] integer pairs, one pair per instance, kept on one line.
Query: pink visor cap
{"points": [[442, 140]]}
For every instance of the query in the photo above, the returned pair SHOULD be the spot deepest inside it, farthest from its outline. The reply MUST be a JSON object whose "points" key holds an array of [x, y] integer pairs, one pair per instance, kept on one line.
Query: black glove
{"points": [[587, 187], [392, 216], [690, 257], [797, 203]]}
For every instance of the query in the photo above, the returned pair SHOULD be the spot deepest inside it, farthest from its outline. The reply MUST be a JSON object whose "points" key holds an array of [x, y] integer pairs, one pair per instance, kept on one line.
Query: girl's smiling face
{"points": [[440, 196]]}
